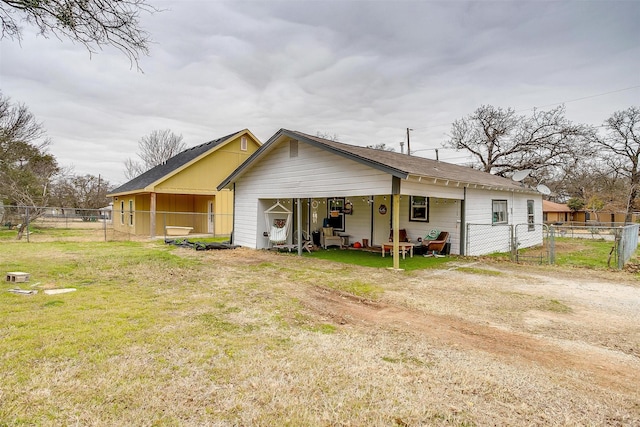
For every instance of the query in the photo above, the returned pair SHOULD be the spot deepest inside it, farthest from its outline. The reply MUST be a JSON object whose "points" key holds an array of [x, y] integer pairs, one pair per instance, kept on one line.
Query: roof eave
{"points": [[460, 183]]}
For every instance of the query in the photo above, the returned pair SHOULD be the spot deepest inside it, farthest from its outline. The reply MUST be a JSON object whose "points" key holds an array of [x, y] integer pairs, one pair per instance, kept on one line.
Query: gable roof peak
{"points": [[169, 166]]}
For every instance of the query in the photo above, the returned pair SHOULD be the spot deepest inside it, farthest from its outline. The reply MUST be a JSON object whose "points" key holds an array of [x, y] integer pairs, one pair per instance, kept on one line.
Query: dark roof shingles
{"points": [[164, 169], [421, 166]]}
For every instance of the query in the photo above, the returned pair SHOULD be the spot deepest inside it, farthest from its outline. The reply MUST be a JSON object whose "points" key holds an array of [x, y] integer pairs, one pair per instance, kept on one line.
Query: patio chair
{"points": [[402, 235], [436, 247], [307, 243], [328, 239]]}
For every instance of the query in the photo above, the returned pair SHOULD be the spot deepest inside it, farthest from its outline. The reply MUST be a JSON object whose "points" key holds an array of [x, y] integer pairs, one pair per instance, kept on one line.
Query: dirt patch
{"points": [[346, 309]]}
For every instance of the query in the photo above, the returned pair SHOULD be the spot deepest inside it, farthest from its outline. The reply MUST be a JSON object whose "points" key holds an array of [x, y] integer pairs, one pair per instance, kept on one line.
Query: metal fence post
{"points": [[27, 221], [514, 244], [552, 244]]}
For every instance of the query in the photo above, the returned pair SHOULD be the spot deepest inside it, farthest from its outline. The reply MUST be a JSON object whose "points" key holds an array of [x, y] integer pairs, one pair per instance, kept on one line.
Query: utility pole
{"points": [[408, 143]]}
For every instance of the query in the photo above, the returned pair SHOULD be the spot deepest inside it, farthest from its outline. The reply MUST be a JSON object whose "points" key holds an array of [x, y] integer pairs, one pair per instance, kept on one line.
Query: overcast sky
{"points": [[362, 70]]}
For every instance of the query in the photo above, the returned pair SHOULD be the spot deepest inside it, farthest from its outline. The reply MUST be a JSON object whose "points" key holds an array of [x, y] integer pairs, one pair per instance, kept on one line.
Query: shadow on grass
{"points": [[375, 259]]}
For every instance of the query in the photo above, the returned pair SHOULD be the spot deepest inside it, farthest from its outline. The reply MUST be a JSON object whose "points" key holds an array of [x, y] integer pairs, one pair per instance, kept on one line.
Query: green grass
{"points": [[483, 271], [375, 259], [161, 335], [555, 306], [583, 252]]}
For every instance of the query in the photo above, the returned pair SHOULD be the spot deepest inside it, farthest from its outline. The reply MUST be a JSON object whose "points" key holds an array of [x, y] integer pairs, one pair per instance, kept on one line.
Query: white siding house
{"points": [[308, 174]]}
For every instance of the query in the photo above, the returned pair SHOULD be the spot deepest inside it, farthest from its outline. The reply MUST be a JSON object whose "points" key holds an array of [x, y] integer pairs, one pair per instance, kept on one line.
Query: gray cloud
{"points": [[364, 70]]}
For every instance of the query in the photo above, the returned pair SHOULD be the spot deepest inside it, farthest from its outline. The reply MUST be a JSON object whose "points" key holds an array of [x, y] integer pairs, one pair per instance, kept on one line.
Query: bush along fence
{"points": [[539, 242]]}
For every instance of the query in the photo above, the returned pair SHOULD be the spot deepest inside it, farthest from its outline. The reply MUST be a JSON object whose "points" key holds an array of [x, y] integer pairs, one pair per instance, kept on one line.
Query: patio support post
{"points": [[299, 221], [395, 213], [152, 216]]}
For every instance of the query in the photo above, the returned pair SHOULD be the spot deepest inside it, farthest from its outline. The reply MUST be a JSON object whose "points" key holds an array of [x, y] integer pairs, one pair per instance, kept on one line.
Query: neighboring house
{"points": [[558, 213], [363, 192], [182, 191]]}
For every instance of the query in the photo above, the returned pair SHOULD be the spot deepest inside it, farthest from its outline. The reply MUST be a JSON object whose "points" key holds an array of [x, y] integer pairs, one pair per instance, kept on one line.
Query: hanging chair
{"points": [[278, 221]]}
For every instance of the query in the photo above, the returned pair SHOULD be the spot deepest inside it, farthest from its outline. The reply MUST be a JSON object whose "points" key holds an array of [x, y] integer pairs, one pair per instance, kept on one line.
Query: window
{"points": [[335, 213], [419, 208], [243, 143], [293, 148], [499, 212], [122, 212], [530, 215], [130, 212]]}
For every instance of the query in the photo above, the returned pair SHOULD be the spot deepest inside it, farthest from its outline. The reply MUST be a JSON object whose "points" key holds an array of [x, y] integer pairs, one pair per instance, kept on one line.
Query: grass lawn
{"points": [[375, 259], [160, 335]]}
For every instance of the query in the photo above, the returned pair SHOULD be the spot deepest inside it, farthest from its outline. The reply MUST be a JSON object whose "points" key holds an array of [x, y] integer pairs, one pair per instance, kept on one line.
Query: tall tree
{"points": [[503, 142], [26, 169], [80, 192], [154, 149], [93, 23], [622, 143]]}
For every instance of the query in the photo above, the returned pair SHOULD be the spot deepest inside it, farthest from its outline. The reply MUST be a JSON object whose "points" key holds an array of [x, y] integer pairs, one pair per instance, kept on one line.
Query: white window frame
{"points": [[130, 212], [531, 212], [499, 211], [418, 204], [243, 143], [122, 212]]}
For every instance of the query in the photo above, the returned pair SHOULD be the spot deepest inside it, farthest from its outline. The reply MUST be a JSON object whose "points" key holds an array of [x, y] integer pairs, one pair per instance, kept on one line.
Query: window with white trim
{"points": [[419, 208], [531, 215], [499, 212], [122, 212], [243, 143], [131, 212]]}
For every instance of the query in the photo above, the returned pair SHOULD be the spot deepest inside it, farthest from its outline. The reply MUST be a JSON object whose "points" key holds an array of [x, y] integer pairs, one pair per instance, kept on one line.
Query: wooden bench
{"points": [[177, 230]]}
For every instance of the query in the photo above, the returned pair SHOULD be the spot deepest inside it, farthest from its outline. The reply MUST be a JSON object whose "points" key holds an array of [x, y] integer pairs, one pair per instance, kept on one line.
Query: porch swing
{"points": [[278, 221]]}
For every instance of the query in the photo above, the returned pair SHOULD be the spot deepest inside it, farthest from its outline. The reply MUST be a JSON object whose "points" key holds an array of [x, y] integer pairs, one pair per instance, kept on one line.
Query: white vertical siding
{"points": [[315, 174], [479, 211]]}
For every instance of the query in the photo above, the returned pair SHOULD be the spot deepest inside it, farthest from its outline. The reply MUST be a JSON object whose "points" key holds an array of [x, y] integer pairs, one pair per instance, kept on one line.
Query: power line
{"points": [[547, 105], [582, 99]]}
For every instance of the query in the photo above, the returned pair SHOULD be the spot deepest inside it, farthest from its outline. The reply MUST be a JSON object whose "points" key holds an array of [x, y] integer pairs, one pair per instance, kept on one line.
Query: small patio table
{"points": [[403, 247]]}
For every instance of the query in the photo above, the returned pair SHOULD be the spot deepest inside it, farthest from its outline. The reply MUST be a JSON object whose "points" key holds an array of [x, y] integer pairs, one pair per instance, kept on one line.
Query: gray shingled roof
{"points": [[157, 173], [397, 164]]}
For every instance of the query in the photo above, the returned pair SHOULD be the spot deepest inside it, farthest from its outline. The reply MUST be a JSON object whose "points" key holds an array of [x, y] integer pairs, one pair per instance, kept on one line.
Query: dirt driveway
{"points": [[583, 326], [478, 342], [597, 331]]}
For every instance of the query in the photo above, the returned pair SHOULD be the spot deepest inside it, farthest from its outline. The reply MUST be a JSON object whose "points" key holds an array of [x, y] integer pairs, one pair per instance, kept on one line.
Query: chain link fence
{"points": [[484, 239], [541, 243], [623, 238], [41, 224]]}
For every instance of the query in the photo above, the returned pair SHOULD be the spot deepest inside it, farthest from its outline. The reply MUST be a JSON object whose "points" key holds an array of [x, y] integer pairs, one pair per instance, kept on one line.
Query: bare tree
{"points": [[382, 146], [93, 23], [153, 150], [502, 142], [622, 143], [328, 136]]}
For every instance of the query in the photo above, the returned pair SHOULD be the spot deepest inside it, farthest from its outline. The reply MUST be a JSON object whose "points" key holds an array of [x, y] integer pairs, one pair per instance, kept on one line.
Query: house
{"points": [[364, 193], [559, 213], [180, 194]]}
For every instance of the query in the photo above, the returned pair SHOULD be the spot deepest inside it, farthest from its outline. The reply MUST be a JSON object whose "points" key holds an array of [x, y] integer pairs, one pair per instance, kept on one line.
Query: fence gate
{"points": [[532, 243]]}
